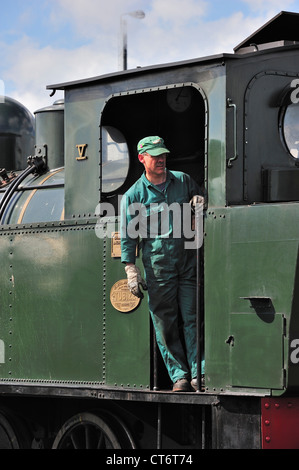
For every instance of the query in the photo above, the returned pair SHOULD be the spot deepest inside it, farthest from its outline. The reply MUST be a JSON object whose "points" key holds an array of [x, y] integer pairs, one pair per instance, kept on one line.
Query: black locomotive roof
{"points": [[284, 26]]}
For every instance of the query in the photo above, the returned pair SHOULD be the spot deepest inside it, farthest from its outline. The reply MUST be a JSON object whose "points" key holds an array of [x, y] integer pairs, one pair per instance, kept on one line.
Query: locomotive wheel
{"points": [[12, 432], [89, 431]]}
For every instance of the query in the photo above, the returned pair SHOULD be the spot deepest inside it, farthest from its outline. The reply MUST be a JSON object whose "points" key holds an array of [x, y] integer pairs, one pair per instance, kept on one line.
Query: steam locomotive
{"points": [[79, 366]]}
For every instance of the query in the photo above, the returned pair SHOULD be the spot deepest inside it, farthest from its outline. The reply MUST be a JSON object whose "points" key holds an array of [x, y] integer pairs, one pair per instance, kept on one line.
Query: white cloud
{"points": [[196, 39], [270, 7], [32, 69], [172, 30], [177, 13], [92, 18]]}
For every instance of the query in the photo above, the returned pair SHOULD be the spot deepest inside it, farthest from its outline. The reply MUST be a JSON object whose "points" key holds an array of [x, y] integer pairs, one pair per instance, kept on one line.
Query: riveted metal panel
{"points": [[251, 253], [57, 322], [279, 423], [127, 332], [51, 304]]}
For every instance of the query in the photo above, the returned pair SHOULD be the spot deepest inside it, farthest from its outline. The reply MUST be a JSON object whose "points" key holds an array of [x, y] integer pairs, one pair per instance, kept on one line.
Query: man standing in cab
{"points": [[170, 267]]}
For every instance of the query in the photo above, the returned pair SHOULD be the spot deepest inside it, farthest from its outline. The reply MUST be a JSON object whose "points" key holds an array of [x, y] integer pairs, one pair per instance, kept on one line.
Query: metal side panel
{"points": [[257, 351], [51, 305], [126, 321]]}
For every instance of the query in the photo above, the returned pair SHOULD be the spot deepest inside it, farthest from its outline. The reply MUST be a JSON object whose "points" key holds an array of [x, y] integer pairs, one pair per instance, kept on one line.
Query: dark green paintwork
{"points": [[127, 344], [55, 304], [57, 322], [250, 252], [82, 177]]}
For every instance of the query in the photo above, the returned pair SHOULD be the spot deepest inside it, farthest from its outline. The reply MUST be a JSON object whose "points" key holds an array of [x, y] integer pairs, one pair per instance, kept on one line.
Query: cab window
{"points": [[115, 159]]}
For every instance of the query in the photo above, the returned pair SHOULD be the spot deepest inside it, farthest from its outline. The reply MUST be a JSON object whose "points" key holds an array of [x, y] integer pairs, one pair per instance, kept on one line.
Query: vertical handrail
{"points": [[199, 208], [155, 361], [230, 104]]}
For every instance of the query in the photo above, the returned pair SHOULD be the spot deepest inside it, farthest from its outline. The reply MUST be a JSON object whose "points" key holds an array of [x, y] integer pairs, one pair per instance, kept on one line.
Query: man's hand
{"points": [[196, 200], [135, 280]]}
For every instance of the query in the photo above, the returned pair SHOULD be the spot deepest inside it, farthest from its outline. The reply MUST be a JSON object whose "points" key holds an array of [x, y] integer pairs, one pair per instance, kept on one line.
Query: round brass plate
{"points": [[121, 298]]}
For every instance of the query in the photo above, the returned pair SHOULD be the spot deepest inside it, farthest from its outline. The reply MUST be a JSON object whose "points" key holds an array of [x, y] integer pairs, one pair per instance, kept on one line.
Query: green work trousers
{"points": [[171, 278]]}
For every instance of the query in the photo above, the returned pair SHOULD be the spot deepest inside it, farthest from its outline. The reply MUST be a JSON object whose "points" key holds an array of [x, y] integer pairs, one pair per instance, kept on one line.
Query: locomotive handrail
{"points": [[230, 104], [199, 231]]}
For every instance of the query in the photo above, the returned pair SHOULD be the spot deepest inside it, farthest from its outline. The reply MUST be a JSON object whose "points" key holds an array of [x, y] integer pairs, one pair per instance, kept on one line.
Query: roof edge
{"points": [[137, 70], [283, 26]]}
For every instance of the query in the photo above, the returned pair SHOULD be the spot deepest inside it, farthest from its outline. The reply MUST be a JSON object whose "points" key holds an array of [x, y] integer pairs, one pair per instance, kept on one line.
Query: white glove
{"points": [[196, 200], [135, 280]]}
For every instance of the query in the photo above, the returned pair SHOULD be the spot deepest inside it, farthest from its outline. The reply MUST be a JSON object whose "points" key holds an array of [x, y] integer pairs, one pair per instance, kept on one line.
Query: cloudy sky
{"points": [[45, 42]]}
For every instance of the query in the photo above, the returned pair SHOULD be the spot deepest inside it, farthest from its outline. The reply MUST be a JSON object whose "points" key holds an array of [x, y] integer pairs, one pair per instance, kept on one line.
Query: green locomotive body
{"points": [[75, 347]]}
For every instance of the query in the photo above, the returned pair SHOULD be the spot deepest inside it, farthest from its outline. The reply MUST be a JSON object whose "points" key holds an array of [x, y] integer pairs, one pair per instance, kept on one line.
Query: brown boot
{"points": [[182, 385], [194, 383]]}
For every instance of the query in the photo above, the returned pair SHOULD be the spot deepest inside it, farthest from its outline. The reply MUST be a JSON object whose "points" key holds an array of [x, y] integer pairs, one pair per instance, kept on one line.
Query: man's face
{"points": [[154, 166]]}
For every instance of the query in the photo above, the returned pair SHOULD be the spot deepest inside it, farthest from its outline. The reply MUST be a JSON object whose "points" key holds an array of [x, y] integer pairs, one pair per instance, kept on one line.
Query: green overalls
{"points": [[170, 268]]}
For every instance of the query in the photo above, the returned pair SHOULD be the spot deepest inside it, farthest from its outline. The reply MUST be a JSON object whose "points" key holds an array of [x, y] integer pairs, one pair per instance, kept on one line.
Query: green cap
{"points": [[154, 145]]}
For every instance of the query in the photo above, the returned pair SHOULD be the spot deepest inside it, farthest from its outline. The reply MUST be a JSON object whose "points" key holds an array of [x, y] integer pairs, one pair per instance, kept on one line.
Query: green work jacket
{"points": [[156, 216]]}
